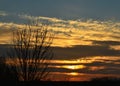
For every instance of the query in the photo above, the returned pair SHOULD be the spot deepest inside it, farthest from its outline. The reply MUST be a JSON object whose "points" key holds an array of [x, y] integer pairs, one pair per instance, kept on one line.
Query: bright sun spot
{"points": [[74, 67], [74, 73]]}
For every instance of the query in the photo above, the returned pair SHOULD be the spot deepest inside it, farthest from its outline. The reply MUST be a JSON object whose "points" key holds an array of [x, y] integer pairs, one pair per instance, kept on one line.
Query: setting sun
{"points": [[73, 74], [74, 67]]}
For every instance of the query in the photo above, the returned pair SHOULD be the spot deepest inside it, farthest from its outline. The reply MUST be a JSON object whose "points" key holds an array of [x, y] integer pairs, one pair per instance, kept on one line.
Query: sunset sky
{"points": [[87, 34]]}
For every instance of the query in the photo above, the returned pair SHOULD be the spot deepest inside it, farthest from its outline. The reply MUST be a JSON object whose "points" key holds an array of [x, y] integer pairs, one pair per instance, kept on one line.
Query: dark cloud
{"points": [[108, 43], [78, 51], [84, 51], [3, 49], [105, 64], [117, 37]]}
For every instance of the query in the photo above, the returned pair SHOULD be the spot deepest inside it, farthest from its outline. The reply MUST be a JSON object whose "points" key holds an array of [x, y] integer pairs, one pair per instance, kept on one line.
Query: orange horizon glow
{"points": [[74, 76], [78, 64]]}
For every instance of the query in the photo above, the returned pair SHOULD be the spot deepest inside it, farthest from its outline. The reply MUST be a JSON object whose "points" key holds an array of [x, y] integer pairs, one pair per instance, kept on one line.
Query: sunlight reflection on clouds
{"points": [[73, 31]]}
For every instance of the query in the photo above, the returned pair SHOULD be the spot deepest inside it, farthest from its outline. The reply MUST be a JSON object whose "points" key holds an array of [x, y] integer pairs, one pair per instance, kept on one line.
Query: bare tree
{"points": [[30, 50]]}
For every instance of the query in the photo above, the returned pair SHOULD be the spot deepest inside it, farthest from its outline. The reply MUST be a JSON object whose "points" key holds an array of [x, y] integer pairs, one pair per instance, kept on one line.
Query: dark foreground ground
{"points": [[61, 83]]}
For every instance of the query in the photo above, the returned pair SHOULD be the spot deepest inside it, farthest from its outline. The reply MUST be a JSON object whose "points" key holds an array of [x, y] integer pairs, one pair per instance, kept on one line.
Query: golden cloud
{"points": [[69, 32]]}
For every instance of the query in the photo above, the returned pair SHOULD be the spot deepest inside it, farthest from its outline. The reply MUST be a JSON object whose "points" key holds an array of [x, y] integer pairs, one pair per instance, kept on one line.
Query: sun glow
{"points": [[74, 74], [70, 67], [74, 67]]}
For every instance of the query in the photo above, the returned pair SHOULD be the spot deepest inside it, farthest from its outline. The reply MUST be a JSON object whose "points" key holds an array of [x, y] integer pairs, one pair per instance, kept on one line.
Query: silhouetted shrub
{"points": [[30, 52]]}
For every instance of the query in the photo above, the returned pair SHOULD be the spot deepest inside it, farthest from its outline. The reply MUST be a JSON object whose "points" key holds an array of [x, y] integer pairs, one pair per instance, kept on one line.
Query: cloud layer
{"points": [[69, 32], [84, 48]]}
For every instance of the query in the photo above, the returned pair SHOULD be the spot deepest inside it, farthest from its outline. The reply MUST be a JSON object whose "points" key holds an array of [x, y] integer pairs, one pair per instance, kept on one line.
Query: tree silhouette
{"points": [[30, 50]]}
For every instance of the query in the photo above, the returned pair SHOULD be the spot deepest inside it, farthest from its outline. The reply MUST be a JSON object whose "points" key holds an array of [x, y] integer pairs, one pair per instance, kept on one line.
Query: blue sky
{"points": [[66, 9]]}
